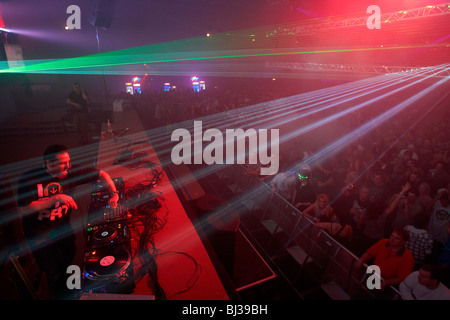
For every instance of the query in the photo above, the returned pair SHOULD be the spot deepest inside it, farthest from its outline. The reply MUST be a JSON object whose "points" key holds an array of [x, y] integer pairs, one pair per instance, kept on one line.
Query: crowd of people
{"points": [[385, 185], [387, 179]]}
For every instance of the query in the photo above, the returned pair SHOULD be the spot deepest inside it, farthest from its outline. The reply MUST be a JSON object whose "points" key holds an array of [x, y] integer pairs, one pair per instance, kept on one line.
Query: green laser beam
{"points": [[112, 59]]}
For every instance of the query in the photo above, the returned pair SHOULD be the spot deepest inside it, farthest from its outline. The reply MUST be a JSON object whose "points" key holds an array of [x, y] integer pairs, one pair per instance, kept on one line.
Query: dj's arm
{"points": [[109, 184], [48, 202]]}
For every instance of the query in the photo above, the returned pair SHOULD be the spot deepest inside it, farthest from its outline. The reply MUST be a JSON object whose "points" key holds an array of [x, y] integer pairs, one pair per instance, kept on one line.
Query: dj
{"points": [[46, 203]]}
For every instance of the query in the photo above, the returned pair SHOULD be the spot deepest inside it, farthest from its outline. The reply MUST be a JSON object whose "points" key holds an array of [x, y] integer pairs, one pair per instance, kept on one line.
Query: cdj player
{"points": [[99, 210], [107, 234], [107, 260]]}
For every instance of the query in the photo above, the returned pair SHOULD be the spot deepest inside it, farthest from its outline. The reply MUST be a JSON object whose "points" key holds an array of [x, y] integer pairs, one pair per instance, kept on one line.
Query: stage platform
{"points": [[184, 268]]}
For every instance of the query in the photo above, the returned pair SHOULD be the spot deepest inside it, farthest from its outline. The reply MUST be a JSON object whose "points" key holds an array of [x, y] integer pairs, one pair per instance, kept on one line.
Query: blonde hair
{"points": [[318, 209]]}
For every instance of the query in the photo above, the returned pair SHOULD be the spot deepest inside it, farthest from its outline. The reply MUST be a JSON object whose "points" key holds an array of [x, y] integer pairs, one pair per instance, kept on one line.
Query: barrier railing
{"points": [[283, 232]]}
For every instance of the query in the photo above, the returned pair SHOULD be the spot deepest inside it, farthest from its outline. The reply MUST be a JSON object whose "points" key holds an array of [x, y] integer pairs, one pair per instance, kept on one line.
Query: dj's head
{"points": [[57, 160]]}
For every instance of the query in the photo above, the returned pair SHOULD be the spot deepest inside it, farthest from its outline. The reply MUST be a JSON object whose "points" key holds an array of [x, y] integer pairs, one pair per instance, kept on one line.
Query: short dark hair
{"points": [[421, 220], [402, 232], [436, 272], [52, 150]]}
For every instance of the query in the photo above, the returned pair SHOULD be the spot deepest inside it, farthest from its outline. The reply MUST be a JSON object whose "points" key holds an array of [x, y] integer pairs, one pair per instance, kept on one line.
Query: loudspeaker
{"points": [[101, 14]]}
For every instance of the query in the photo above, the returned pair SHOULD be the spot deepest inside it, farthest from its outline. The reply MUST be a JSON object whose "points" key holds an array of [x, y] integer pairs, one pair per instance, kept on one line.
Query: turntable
{"points": [[107, 263], [105, 234], [109, 270]]}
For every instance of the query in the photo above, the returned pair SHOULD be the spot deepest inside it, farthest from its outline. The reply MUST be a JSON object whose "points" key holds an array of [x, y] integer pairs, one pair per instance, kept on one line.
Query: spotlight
{"points": [[6, 36]]}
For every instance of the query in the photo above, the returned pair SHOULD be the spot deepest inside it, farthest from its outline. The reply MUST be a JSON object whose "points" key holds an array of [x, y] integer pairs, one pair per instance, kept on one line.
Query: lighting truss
{"points": [[333, 23]]}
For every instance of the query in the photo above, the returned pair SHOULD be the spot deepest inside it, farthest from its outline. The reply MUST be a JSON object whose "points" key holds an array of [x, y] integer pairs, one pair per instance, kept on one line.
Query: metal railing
{"points": [[282, 232]]}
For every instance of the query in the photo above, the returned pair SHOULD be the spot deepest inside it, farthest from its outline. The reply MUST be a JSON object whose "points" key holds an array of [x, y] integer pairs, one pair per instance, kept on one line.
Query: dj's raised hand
{"points": [[113, 200]]}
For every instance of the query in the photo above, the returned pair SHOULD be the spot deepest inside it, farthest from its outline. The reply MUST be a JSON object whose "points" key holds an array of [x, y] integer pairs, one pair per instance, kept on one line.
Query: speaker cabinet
{"points": [[101, 14]]}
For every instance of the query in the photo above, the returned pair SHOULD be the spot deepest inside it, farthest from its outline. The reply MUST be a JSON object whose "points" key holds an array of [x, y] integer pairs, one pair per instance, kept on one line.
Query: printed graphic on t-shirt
{"points": [[52, 188], [442, 215], [59, 211]]}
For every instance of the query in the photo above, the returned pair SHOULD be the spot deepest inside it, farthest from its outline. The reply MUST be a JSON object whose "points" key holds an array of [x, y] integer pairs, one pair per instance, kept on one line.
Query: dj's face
{"points": [[60, 166]]}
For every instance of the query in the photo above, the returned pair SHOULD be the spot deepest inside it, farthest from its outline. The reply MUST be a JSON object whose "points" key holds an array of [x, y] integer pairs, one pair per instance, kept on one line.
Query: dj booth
{"points": [[147, 246]]}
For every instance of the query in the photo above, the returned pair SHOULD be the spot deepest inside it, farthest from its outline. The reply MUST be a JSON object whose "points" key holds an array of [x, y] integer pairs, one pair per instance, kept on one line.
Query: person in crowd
{"points": [[359, 208], [326, 219], [439, 219], [438, 156], [79, 100], [425, 151], [437, 177], [420, 242], [373, 228], [320, 207], [403, 208], [395, 261], [444, 259], [424, 199], [414, 178], [424, 284], [344, 202], [305, 193], [412, 166], [284, 183], [379, 188], [408, 153], [326, 179]]}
